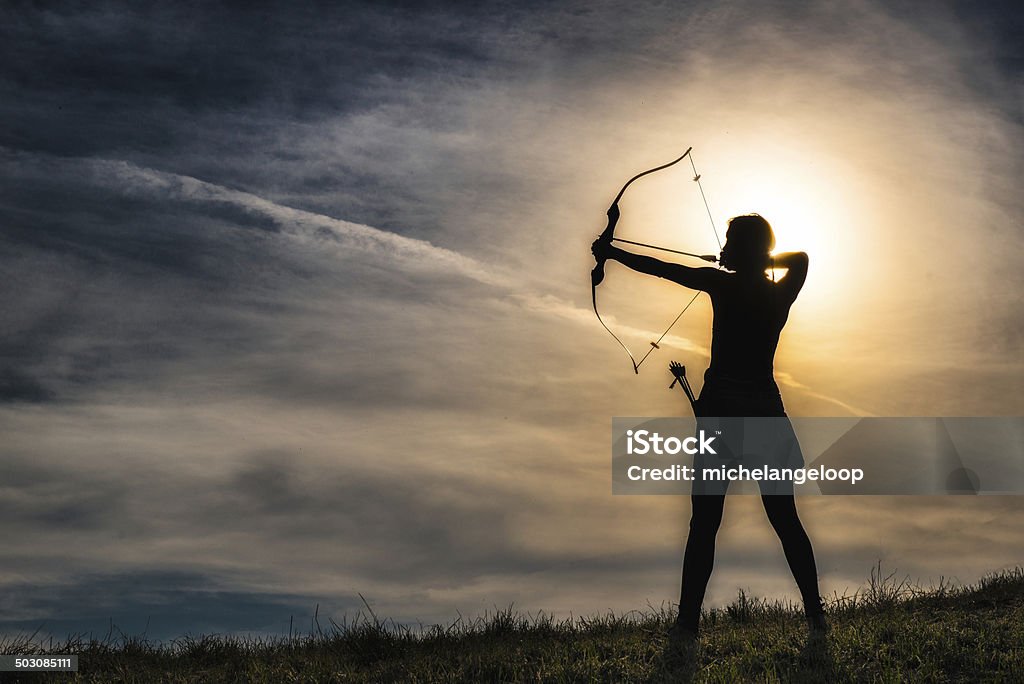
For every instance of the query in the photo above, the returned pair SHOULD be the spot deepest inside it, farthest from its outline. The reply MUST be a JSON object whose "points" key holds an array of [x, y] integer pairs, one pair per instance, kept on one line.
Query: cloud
{"points": [[132, 184], [158, 604]]}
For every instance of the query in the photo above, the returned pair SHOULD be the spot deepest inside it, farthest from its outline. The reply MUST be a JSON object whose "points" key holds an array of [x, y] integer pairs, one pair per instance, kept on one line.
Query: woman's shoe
{"points": [[682, 634], [817, 624]]}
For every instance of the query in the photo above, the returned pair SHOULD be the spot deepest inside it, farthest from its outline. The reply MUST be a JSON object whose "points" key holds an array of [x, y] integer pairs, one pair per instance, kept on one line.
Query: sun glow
{"points": [[806, 209]]}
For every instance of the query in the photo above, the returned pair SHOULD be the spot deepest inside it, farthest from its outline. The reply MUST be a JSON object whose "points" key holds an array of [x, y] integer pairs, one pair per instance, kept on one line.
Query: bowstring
{"points": [[696, 179], [654, 345]]}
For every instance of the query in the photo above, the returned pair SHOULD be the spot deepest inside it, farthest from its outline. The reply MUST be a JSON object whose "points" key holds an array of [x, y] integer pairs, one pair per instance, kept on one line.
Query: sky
{"points": [[297, 303]]}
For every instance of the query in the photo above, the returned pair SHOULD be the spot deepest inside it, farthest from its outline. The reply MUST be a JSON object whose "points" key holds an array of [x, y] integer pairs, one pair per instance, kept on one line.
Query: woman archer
{"points": [[750, 311]]}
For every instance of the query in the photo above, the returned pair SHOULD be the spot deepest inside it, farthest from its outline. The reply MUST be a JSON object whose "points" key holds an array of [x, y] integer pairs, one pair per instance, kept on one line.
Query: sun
{"points": [[807, 211]]}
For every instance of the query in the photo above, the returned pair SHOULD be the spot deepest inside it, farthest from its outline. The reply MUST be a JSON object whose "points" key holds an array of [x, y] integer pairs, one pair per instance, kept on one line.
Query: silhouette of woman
{"points": [[750, 311]]}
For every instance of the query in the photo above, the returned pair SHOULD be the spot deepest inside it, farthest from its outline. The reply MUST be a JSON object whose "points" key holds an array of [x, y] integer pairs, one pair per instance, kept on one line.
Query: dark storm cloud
{"points": [[16, 386], [44, 496], [161, 605], [117, 75], [141, 78], [996, 28], [228, 94]]}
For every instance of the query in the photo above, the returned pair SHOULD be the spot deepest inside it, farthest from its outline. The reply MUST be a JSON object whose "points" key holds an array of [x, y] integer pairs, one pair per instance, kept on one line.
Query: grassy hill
{"points": [[889, 631]]}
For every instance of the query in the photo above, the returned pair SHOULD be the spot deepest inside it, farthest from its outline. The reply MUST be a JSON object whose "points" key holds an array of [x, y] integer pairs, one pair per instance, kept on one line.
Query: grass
{"points": [[890, 631]]}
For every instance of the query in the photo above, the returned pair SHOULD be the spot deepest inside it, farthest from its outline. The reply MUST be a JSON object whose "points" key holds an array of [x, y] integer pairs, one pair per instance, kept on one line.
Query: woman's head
{"points": [[748, 243]]}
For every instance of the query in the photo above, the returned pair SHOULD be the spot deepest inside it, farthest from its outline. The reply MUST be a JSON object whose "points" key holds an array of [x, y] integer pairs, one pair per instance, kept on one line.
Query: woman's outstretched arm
{"points": [[693, 278]]}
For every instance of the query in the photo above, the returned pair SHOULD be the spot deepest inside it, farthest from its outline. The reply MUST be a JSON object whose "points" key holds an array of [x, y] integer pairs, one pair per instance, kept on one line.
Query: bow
{"points": [[608, 235]]}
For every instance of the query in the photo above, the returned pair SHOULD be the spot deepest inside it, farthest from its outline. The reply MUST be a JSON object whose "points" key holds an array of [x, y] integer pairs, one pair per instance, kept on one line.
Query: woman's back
{"points": [[749, 314]]}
